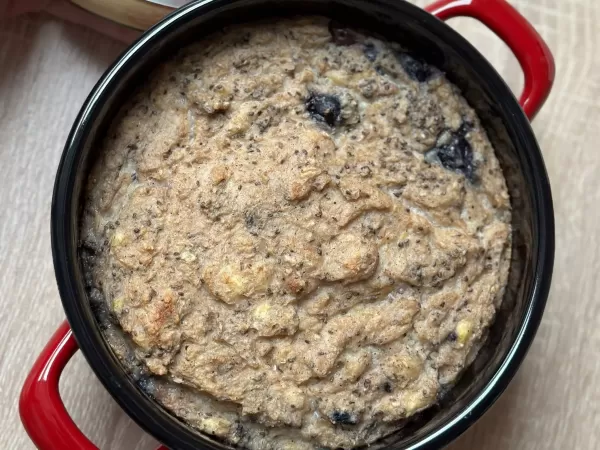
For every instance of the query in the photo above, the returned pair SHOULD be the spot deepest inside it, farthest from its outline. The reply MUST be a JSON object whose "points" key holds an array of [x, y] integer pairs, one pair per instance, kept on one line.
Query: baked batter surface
{"points": [[296, 235]]}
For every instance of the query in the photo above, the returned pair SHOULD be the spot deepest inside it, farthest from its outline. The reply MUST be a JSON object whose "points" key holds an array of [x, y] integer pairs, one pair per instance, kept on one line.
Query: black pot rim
{"points": [[167, 428]]}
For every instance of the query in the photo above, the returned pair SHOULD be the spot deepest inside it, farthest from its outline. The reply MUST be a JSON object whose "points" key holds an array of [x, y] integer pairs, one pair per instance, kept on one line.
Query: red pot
{"points": [[42, 411]]}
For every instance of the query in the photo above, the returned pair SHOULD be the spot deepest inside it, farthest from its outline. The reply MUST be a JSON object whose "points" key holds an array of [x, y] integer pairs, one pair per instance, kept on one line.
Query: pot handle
{"points": [[524, 41], [42, 411]]}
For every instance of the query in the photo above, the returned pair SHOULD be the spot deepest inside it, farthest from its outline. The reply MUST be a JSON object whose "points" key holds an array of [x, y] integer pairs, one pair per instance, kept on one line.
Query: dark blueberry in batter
{"points": [[343, 418], [452, 336], [340, 34], [324, 108], [371, 51], [464, 128], [456, 154], [417, 70], [387, 387]]}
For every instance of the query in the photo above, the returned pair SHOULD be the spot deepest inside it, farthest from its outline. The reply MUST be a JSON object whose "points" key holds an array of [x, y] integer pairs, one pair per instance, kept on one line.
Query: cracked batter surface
{"points": [[296, 235]]}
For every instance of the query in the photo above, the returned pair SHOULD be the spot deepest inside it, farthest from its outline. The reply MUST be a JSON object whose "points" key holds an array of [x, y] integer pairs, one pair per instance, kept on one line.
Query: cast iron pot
{"points": [[507, 124]]}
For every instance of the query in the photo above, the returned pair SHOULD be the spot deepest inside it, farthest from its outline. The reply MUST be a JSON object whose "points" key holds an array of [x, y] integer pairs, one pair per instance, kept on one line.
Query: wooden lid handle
{"points": [[138, 14]]}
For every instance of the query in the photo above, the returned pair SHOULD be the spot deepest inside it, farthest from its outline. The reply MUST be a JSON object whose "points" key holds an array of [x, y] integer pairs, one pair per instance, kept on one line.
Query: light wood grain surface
{"points": [[46, 70]]}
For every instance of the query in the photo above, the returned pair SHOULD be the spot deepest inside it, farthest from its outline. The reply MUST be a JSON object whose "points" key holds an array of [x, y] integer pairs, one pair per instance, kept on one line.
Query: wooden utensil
{"points": [[137, 14]]}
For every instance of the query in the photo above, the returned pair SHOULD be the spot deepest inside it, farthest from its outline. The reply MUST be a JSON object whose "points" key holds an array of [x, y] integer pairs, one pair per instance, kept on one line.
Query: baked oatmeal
{"points": [[296, 235]]}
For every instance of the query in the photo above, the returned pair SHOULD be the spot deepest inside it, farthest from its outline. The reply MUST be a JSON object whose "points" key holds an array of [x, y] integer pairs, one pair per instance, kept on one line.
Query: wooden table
{"points": [[46, 70]]}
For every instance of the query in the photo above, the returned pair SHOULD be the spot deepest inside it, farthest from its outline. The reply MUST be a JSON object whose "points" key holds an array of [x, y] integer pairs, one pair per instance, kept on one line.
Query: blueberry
{"points": [[340, 34], [343, 418], [324, 108], [370, 51], [464, 128], [387, 387], [456, 154], [416, 69], [452, 336]]}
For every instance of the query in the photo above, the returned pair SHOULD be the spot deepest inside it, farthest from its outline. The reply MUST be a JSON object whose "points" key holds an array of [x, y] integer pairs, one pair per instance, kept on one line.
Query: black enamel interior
{"points": [[438, 44]]}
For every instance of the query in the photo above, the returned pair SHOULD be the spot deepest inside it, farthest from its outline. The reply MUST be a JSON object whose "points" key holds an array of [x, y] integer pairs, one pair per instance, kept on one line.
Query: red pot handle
{"points": [[528, 46], [42, 411]]}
